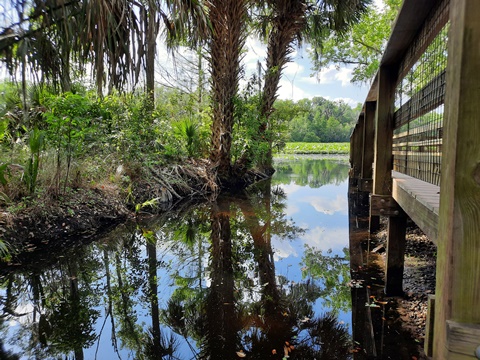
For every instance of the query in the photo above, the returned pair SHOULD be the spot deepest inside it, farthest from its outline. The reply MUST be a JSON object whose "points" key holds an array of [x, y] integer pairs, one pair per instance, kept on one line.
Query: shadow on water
{"points": [[377, 332], [202, 281]]}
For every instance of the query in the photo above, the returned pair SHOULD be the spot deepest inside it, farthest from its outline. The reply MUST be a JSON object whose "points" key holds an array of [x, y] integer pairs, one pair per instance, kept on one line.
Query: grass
{"points": [[316, 148]]}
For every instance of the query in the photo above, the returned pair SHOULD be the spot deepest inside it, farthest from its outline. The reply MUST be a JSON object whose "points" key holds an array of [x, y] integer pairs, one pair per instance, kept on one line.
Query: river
{"points": [[261, 274]]}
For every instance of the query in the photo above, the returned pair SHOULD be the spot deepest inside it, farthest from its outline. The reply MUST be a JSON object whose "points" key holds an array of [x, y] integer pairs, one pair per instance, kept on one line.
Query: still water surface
{"points": [[259, 275]]}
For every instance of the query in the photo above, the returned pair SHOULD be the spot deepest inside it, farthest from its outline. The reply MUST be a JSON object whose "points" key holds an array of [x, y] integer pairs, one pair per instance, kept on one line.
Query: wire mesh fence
{"points": [[419, 99]]}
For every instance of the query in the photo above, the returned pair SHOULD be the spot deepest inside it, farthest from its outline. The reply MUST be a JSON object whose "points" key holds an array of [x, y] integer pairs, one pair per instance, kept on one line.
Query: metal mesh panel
{"points": [[417, 141]]}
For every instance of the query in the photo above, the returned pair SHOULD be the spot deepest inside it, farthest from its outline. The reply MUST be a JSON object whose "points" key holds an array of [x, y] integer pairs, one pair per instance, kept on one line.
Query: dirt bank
{"points": [[77, 214], [56, 217], [418, 282]]}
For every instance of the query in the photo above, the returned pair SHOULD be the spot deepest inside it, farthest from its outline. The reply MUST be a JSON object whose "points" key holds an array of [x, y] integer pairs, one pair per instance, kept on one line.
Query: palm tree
{"points": [[228, 21], [292, 21], [117, 36]]}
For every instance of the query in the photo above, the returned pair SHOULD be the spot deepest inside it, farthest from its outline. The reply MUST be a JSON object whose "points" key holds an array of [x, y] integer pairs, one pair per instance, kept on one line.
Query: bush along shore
{"points": [[57, 216]]}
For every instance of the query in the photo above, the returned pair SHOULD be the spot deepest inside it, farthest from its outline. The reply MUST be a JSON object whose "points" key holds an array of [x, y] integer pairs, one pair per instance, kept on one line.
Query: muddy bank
{"points": [[55, 218], [57, 222], [418, 281]]}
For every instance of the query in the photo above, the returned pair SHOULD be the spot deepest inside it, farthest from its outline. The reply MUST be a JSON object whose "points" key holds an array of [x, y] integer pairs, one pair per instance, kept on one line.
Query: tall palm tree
{"points": [[228, 21], [292, 21]]}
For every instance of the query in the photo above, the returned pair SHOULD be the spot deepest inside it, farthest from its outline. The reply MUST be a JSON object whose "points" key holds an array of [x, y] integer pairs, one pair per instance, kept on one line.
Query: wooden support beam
{"points": [[428, 345], [458, 255], [356, 148], [397, 226], [368, 140], [369, 157], [382, 180], [365, 185]]}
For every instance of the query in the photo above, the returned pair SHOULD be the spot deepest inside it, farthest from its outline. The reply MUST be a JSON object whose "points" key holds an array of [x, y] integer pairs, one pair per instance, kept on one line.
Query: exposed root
{"points": [[192, 179]]}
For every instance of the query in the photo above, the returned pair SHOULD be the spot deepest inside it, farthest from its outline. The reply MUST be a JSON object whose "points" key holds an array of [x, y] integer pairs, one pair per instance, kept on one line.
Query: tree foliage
{"points": [[318, 120], [362, 46], [284, 23], [110, 38]]}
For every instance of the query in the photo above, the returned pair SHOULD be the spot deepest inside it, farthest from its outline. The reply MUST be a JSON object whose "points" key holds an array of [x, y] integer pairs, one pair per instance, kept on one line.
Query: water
{"points": [[260, 275]]}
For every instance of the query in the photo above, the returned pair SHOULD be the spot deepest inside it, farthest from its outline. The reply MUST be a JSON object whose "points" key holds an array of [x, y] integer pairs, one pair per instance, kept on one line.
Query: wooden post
{"points": [[356, 149], [458, 256], [369, 153], [369, 138], [397, 226], [382, 175], [428, 345], [382, 178]]}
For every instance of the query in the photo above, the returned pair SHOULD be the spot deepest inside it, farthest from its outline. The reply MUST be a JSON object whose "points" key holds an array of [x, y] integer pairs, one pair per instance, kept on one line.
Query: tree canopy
{"points": [[362, 45]]}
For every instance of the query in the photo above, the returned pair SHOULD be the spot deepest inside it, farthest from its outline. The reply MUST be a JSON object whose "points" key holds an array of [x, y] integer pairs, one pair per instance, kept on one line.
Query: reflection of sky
{"points": [[323, 213]]}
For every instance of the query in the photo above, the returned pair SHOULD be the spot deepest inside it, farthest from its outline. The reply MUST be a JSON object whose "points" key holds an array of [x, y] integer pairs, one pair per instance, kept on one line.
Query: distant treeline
{"points": [[317, 119]]}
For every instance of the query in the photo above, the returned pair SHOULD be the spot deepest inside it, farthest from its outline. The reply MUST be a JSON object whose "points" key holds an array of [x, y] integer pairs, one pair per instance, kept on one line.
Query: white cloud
{"points": [[348, 101], [329, 206], [324, 239], [344, 75], [291, 210], [311, 80], [332, 74], [288, 90], [326, 75], [282, 249], [256, 51], [292, 69]]}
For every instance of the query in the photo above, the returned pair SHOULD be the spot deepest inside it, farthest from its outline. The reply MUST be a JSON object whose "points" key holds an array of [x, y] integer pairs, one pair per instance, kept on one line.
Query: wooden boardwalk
{"points": [[420, 200], [420, 117]]}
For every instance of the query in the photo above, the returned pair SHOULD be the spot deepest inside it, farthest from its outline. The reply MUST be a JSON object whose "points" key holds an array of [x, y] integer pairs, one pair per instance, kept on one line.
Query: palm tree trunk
{"points": [[227, 19], [288, 21], [152, 32]]}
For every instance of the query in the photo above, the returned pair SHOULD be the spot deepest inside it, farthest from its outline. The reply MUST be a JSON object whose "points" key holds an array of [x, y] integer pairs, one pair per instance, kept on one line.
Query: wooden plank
{"points": [[421, 155], [427, 99], [356, 149], [458, 255], [462, 340], [407, 25], [370, 108], [434, 22], [428, 344], [420, 203], [422, 143], [437, 128]]}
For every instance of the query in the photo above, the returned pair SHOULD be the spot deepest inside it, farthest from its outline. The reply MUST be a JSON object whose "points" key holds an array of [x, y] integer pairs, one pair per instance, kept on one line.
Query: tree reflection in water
{"points": [[199, 280]]}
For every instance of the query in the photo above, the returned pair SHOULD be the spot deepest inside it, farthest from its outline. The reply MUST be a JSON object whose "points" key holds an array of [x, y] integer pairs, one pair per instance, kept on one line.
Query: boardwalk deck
{"points": [[420, 200]]}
